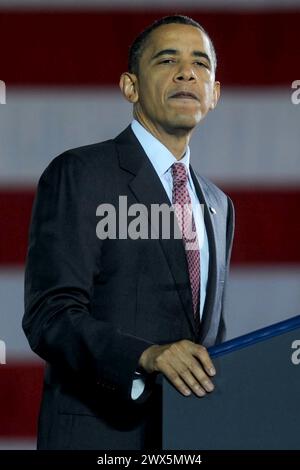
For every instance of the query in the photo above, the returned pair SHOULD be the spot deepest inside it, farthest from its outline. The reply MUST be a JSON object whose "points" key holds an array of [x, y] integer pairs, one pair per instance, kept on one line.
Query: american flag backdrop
{"points": [[61, 61]]}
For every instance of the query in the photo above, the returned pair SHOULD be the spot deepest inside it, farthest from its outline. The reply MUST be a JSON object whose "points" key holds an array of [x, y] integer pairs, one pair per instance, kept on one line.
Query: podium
{"points": [[256, 401]]}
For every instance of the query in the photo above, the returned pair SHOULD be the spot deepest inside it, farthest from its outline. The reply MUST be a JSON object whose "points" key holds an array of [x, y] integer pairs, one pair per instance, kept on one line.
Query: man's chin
{"points": [[184, 123]]}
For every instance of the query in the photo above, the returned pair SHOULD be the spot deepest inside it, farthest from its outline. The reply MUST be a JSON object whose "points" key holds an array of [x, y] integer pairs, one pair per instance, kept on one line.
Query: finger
{"points": [[186, 365], [176, 381], [192, 383], [202, 354], [198, 374], [203, 379]]}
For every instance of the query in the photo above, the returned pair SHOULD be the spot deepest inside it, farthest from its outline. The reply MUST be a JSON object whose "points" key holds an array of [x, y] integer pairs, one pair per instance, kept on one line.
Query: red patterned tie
{"points": [[183, 209]]}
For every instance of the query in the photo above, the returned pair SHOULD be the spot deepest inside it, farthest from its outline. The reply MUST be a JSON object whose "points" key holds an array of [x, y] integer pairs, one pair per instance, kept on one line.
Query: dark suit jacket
{"points": [[93, 306]]}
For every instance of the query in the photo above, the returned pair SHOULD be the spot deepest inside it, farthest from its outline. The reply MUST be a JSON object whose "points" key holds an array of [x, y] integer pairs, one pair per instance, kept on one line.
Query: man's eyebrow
{"points": [[176, 52], [202, 54], [165, 52]]}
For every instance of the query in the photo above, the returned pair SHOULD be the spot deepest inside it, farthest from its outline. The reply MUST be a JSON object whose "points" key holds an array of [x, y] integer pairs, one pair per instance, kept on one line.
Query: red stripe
{"points": [[90, 48], [267, 226], [20, 394], [268, 229]]}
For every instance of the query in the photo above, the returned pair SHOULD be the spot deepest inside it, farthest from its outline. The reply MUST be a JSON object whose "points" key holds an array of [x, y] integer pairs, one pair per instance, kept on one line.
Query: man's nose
{"points": [[185, 73]]}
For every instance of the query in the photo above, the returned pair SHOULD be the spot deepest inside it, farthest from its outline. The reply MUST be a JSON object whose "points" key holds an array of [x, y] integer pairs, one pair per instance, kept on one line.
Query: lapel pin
{"points": [[212, 210]]}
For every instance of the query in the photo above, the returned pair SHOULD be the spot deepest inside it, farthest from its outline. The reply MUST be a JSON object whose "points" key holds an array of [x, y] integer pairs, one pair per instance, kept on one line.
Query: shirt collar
{"points": [[161, 157]]}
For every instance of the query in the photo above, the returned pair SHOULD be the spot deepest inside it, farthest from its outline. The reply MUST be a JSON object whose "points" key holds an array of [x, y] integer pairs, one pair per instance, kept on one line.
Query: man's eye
{"points": [[167, 61], [202, 64]]}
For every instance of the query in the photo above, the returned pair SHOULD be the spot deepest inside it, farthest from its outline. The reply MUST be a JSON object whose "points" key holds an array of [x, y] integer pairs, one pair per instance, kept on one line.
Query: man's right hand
{"points": [[187, 365]]}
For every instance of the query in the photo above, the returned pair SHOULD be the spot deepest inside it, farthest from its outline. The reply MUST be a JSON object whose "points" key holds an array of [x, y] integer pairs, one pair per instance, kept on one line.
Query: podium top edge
{"points": [[255, 337]]}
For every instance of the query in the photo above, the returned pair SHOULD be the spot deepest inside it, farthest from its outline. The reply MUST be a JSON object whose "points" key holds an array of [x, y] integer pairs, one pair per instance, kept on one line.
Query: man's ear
{"points": [[128, 85], [216, 95]]}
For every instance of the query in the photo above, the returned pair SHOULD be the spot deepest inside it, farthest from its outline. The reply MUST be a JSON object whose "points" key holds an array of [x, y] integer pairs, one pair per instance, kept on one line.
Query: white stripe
{"points": [[12, 308], [260, 297], [251, 138], [17, 444], [257, 297], [151, 4]]}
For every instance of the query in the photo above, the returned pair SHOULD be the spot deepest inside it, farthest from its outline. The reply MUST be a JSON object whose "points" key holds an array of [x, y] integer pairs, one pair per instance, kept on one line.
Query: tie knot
{"points": [[179, 174]]}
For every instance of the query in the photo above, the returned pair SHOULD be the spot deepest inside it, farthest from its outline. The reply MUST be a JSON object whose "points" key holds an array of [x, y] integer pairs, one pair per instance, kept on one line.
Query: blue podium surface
{"points": [[256, 401]]}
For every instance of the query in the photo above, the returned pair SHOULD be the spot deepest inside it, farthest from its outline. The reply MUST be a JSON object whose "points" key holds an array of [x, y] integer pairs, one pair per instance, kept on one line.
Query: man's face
{"points": [[176, 86]]}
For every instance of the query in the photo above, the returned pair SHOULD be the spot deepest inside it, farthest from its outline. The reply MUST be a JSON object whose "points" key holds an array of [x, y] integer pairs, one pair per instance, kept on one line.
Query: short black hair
{"points": [[137, 47]]}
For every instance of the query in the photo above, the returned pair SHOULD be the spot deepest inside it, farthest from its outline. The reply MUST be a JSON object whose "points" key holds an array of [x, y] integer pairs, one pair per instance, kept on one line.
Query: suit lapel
{"points": [[147, 189], [210, 221]]}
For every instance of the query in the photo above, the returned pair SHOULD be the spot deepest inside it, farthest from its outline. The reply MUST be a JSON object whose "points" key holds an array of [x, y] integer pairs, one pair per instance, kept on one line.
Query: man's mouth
{"points": [[184, 95]]}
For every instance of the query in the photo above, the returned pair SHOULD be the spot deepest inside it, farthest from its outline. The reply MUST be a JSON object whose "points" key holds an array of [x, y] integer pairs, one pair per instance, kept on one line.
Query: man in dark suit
{"points": [[109, 313]]}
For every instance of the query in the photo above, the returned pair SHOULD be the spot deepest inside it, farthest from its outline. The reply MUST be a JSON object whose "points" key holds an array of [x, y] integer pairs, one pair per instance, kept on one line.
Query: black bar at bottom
{"points": [[133, 459]]}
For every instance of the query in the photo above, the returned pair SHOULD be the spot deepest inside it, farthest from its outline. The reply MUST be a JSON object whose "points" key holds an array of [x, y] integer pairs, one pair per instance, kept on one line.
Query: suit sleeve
{"points": [[229, 242], [64, 256]]}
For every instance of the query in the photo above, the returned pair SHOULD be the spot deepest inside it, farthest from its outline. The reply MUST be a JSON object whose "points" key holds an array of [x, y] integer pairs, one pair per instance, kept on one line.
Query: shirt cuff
{"points": [[138, 386]]}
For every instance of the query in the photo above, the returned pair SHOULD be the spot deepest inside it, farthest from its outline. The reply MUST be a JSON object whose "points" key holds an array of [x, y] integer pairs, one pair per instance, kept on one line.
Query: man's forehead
{"points": [[177, 36]]}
